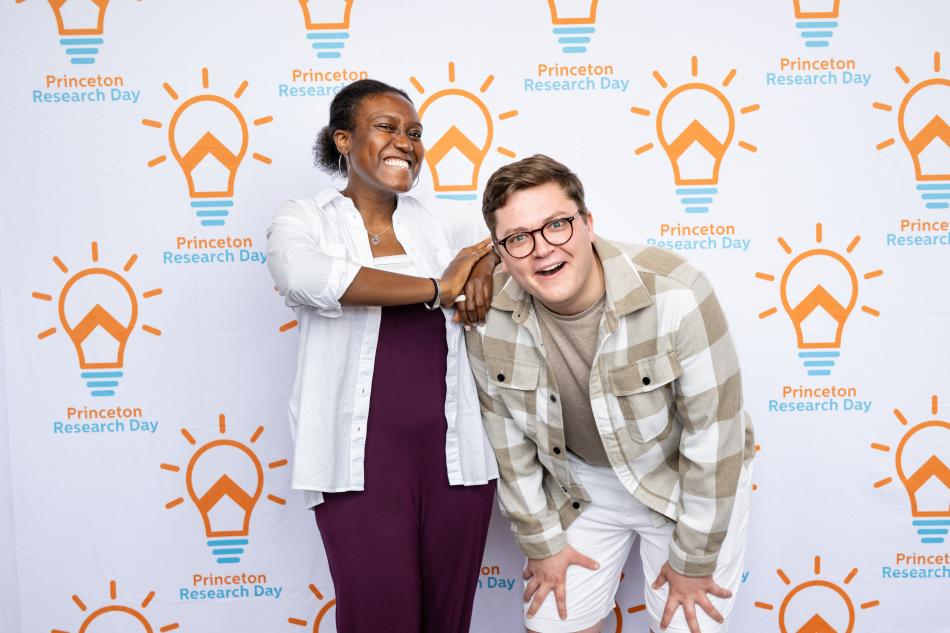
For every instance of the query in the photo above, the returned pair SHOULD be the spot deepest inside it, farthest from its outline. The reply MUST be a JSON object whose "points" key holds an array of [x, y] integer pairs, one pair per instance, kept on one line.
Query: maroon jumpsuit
{"points": [[405, 552]]}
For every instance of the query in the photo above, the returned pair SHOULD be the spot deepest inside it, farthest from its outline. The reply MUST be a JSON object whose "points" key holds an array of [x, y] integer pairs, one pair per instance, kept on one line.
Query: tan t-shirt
{"points": [[570, 343]]}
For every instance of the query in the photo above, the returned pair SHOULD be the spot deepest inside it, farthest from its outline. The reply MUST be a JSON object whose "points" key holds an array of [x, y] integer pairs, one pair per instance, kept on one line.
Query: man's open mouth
{"points": [[550, 270]]}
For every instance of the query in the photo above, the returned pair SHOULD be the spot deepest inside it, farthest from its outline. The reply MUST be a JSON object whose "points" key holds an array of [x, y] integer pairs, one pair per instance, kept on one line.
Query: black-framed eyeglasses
{"points": [[555, 232]]}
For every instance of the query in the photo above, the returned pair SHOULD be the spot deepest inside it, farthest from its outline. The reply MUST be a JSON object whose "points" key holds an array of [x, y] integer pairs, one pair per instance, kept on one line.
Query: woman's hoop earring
{"points": [[339, 165], [416, 181]]}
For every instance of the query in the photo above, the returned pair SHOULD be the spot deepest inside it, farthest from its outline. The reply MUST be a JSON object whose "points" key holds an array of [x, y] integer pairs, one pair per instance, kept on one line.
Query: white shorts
{"points": [[606, 530]]}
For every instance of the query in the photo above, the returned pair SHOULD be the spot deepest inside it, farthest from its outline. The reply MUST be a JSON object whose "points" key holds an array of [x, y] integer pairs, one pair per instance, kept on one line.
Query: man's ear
{"points": [[590, 224]]}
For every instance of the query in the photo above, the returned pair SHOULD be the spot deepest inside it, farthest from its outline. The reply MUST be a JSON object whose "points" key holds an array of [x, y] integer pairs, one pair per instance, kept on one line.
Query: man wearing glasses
{"points": [[610, 391]]}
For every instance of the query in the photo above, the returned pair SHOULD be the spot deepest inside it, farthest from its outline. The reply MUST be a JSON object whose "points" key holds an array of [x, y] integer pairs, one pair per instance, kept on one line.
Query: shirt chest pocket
{"points": [[517, 384], [644, 393]]}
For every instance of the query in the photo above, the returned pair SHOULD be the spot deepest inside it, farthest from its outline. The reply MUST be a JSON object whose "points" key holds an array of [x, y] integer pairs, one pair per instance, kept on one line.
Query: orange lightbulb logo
{"points": [[117, 615], [573, 22], [922, 124], [99, 333], [819, 290], [327, 23], [80, 24], [208, 136], [321, 612], [921, 463], [456, 157], [817, 20], [695, 149], [817, 606], [225, 480]]}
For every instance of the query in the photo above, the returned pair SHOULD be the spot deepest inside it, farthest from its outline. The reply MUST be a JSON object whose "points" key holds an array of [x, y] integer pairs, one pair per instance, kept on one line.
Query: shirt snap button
{"points": [[553, 398], [557, 450], [646, 380], [501, 377], [576, 505]]}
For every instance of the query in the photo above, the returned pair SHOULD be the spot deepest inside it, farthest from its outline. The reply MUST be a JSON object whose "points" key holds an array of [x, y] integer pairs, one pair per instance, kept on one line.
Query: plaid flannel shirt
{"points": [[666, 394]]}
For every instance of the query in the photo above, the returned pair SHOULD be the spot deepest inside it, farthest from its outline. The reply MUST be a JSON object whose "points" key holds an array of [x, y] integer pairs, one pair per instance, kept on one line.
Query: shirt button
{"points": [[576, 505], [557, 450], [553, 398], [646, 380], [501, 377]]}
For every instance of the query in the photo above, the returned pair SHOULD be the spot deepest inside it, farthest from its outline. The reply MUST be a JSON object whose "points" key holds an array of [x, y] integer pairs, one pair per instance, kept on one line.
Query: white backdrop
{"points": [[9, 589], [147, 361]]}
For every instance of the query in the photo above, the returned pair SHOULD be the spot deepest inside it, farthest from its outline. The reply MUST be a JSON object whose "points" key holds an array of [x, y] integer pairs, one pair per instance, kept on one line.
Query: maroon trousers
{"points": [[405, 552]]}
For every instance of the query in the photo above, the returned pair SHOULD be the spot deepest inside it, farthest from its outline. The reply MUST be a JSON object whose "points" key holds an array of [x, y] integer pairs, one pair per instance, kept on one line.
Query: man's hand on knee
{"points": [[550, 574], [689, 592]]}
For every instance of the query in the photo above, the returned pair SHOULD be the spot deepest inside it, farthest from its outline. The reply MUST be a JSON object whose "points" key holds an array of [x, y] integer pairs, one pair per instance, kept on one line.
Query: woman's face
{"points": [[384, 150]]}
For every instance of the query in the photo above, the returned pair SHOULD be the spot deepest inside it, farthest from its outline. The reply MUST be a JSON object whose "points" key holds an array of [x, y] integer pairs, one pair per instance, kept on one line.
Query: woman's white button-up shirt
{"points": [[315, 247]]}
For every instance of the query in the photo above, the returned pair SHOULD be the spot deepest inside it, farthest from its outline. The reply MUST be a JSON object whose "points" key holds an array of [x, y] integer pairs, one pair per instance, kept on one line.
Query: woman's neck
{"points": [[375, 206]]}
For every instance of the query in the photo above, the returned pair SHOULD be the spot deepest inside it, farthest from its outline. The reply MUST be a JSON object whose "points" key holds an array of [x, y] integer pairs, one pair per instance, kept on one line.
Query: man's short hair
{"points": [[526, 173]]}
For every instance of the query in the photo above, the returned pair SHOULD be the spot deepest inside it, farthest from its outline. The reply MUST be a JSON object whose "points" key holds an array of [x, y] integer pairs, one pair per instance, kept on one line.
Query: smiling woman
{"points": [[383, 150], [390, 447]]}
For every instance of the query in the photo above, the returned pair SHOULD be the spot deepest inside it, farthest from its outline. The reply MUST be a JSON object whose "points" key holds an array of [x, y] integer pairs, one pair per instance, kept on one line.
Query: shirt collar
{"points": [[332, 195], [626, 291], [327, 196]]}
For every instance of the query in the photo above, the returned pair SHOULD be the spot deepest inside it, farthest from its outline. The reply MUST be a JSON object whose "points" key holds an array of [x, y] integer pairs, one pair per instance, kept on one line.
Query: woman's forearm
{"points": [[372, 287]]}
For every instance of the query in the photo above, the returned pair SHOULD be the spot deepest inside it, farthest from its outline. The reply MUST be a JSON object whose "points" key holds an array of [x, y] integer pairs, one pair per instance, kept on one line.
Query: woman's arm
{"points": [[382, 288], [302, 272], [309, 276], [373, 287]]}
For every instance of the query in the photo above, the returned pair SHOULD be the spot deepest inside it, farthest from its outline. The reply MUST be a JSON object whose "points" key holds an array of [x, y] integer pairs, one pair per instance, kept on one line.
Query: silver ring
{"points": [[460, 299]]}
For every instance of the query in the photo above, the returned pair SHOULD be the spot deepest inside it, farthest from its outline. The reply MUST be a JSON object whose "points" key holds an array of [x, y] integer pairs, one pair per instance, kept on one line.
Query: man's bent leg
{"points": [[654, 552], [602, 533]]}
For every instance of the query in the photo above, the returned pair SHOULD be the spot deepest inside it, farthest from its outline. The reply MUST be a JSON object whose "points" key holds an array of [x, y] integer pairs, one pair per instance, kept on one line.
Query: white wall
{"points": [[90, 507], [9, 581]]}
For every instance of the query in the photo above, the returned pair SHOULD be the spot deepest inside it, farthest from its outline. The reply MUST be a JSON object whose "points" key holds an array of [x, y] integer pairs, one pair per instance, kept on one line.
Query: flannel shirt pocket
{"points": [[644, 392], [517, 384]]}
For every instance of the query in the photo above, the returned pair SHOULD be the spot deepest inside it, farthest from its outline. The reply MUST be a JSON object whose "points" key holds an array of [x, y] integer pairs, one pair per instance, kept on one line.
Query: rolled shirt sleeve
{"points": [[305, 273], [709, 404]]}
